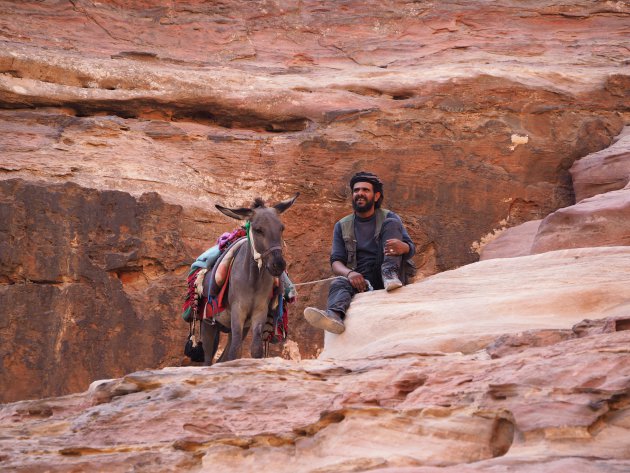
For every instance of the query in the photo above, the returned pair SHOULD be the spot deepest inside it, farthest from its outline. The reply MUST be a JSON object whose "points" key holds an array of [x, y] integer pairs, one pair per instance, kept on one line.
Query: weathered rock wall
{"points": [[472, 113], [82, 295]]}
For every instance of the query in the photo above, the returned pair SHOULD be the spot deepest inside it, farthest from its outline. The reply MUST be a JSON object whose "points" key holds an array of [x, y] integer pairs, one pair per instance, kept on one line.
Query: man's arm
{"points": [[338, 252], [407, 239], [339, 258]]}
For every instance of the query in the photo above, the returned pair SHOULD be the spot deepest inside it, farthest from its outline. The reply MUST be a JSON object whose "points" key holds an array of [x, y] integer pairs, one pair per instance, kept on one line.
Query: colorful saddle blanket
{"points": [[206, 295], [206, 261]]}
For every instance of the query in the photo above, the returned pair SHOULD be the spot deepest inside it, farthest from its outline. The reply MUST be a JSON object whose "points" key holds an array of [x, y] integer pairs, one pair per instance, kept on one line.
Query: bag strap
{"points": [[191, 330]]}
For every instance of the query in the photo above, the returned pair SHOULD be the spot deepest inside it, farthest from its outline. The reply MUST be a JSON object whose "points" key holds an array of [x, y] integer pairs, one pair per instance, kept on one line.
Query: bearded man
{"points": [[369, 249]]}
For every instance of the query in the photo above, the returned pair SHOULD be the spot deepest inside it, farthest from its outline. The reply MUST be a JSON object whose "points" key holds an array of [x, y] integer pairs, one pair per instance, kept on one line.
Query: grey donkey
{"points": [[256, 263]]}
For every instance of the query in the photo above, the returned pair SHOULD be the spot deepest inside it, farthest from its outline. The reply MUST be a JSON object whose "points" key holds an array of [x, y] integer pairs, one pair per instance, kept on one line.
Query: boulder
{"points": [[512, 242], [603, 171], [602, 220]]}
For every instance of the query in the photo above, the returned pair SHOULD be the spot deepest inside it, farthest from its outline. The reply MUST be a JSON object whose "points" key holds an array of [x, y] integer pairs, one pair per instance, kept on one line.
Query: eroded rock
{"points": [[604, 171], [556, 405], [602, 220], [600, 217], [205, 103], [84, 294]]}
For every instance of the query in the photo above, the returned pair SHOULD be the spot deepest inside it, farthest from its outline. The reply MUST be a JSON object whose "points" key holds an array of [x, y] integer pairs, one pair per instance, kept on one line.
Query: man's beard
{"points": [[364, 207]]}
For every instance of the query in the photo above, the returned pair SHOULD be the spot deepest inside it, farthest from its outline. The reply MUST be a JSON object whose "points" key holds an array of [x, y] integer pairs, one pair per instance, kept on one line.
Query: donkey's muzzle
{"points": [[276, 263]]}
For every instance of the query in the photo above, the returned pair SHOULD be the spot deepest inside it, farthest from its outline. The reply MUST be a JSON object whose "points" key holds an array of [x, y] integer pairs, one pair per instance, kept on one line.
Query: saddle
{"points": [[211, 286], [220, 273], [207, 261]]}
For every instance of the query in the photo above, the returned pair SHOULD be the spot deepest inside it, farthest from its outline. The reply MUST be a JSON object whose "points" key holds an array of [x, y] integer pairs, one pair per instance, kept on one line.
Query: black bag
{"points": [[409, 270], [194, 348]]}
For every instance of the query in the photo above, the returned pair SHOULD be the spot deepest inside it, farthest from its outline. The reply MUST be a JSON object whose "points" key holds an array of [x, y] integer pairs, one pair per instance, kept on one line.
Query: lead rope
{"points": [[319, 280], [370, 288], [255, 254]]}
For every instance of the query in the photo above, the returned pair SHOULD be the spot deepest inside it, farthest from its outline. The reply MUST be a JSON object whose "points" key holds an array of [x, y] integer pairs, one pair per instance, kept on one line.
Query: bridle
{"points": [[258, 257]]}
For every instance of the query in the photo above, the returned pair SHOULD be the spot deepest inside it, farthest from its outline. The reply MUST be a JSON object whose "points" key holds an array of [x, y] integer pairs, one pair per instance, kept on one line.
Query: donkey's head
{"points": [[265, 230]]}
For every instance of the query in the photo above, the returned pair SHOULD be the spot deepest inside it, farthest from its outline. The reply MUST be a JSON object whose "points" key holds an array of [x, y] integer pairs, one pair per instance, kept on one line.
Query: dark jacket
{"points": [[344, 246]]}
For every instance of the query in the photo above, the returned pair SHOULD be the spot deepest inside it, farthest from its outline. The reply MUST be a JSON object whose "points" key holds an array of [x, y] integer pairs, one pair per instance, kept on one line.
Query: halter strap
{"points": [[269, 250], [257, 256]]}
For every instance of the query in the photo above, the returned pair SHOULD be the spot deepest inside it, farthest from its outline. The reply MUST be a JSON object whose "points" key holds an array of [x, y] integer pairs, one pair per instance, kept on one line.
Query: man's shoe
{"points": [[390, 279], [326, 320]]}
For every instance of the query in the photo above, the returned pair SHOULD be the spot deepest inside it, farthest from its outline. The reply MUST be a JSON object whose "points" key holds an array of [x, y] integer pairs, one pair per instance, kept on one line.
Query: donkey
{"points": [[256, 263]]}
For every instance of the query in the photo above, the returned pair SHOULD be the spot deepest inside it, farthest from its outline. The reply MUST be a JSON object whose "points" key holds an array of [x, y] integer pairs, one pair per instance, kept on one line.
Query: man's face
{"points": [[363, 196]]}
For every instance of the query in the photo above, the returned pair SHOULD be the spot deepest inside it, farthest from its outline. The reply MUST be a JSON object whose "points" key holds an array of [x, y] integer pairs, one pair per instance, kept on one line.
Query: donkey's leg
{"points": [[210, 340], [238, 316], [225, 320], [235, 351], [257, 342], [224, 354], [258, 324], [215, 345]]}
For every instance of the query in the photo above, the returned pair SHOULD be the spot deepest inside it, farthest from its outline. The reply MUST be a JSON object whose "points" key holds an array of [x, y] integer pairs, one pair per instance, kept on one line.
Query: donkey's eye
{"points": [[258, 231]]}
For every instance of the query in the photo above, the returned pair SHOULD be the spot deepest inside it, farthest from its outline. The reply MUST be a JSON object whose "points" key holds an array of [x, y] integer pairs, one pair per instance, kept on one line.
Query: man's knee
{"points": [[340, 284], [392, 228]]}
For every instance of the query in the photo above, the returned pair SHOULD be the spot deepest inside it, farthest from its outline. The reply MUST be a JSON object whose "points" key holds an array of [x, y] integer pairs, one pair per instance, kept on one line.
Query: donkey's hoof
{"points": [[325, 320]]}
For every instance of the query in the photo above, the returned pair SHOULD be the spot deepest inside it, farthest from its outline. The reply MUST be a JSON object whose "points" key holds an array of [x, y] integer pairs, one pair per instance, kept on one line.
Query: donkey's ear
{"points": [[285, 204], [242, 213]]}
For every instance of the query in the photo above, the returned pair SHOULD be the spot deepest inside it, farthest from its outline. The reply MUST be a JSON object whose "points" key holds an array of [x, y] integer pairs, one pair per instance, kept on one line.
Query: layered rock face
{"points": [[122, 126], [517, 364], [83, 295]]}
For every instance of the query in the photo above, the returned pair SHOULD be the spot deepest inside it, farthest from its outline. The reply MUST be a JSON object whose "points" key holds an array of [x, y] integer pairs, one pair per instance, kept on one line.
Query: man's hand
{"points": [[395, 247], [357, 280]]}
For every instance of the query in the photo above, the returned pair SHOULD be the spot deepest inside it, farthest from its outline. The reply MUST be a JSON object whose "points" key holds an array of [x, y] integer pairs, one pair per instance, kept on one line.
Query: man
{"points": [[368, 249]]}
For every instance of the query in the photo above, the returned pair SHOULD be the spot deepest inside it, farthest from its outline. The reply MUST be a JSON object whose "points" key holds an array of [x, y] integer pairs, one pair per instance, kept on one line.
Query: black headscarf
{"points": [[373, 179]]}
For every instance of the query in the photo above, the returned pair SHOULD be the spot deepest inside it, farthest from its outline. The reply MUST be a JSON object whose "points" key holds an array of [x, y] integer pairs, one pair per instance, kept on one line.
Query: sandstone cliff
{"points": [[512, 364], [122, 126], [599, 218]]}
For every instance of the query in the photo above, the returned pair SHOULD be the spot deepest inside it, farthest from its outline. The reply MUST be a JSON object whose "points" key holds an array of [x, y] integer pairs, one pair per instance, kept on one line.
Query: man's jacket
{"points": [[350, 243]]}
